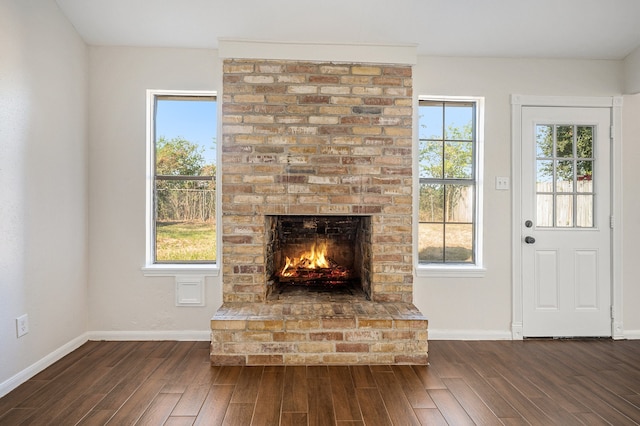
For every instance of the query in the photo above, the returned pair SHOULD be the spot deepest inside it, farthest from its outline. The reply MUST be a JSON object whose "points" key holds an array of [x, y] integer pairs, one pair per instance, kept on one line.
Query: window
{"points": [[448, 152], [181, 222]]}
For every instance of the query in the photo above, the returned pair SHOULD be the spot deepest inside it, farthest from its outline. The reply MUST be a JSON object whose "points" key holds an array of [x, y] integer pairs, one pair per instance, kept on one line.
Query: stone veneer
{"points": [[318, 139], [306, 138]]}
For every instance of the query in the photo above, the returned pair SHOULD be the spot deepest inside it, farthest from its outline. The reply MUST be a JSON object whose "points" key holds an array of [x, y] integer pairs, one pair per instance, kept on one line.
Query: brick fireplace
{"points": [[317, 139]]}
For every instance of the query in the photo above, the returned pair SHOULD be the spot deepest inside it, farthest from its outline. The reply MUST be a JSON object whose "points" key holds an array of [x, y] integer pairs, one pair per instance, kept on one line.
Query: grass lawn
{"points": [[185, 241]]}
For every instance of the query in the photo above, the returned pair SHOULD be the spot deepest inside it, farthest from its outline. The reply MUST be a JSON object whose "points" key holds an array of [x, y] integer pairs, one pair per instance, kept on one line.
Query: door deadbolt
{"points": [[528, 224]]}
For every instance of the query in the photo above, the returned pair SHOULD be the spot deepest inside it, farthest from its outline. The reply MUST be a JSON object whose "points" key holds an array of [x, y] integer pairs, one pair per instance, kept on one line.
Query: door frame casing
{"points": [[614, 103]]}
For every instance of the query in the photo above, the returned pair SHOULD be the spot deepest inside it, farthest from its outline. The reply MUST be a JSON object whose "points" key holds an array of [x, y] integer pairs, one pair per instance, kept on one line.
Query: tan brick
{"points": [[228, 324], [302, 324], [352, 347], [315, 347], [326, 336], [340, 358], [265, 359], [364, 70], [272, 325], [375, 323]]}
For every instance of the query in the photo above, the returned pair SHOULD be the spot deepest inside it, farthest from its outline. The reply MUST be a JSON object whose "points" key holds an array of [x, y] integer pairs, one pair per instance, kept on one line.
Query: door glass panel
{"points": [[564, 141], [584, 145], [544, 213], [564, 176], [584, 212], [564, 211], [544, 141], [584, 176], [544, 176]]}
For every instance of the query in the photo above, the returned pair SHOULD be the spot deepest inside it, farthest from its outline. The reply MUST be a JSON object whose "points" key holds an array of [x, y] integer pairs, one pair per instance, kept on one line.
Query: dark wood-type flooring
{"points": [[537, 382]]}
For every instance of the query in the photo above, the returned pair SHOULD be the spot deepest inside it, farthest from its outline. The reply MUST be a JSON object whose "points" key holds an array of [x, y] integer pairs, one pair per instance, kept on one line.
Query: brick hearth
{"points": [[306, 138]]}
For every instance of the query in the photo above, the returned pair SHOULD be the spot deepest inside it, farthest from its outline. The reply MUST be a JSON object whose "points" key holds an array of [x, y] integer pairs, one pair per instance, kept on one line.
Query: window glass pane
{"points": [[544, 141], [447, 150], [458, 121], [584, 176], [431, 120], [458, 160], [458, 243], [564, 211], [584, 212], [431, 242], [544, 176], [430, 165], [185, 221], [184, 186], [192, 121], [564, 176], [584, 146], [544, 210], [459, 203], [431, 203], [564, 141]]}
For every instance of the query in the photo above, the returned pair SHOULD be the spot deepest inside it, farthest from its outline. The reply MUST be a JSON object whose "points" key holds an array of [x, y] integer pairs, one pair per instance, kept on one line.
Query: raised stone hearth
{"points": [[317, 139], [336, 332]]}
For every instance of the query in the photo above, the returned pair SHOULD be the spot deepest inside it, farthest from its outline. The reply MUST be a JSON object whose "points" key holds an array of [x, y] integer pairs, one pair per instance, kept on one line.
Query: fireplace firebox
{"points": [[318, 254]]}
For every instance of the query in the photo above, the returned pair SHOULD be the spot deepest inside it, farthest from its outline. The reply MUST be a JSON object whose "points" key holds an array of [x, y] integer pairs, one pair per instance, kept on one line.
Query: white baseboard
{"points": [[632, 334], [469, 334], [201, 335], [24, 375]]}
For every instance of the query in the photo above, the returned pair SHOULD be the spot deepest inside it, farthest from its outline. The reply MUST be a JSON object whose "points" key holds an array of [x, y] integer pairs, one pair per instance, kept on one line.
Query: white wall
{"points": [[122, 302], [632, 72], [481, 307], [43, 185], [631, 213]]}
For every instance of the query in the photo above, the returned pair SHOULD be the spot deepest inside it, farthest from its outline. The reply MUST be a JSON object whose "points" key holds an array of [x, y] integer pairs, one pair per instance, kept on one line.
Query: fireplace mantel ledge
{"points": [[307, 51]]}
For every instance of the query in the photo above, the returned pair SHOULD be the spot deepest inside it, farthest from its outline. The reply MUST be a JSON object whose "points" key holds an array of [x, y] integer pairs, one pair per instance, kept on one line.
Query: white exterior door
{"points": [[565, 224]]}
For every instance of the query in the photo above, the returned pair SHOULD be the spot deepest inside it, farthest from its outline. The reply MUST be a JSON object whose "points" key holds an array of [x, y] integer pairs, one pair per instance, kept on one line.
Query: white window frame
{"points": [[172, 269], [444, 270]]}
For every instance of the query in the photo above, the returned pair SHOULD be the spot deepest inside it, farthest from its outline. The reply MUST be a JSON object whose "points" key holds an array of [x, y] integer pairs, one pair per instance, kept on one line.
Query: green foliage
{"points": [[448, 159], [180, 241], [178, 157], [184, 199], [564, 148]]}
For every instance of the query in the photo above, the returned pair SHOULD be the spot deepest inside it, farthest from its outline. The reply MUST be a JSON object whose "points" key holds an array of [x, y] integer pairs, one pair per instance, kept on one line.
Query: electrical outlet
{"points": [[22, 325]]}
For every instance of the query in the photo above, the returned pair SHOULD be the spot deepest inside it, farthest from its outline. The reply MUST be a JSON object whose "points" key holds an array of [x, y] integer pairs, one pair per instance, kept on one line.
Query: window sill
{"points": [[454, 271], [169, 270]]}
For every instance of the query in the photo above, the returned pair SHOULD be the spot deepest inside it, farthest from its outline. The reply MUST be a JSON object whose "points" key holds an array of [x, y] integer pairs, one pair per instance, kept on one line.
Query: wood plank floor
{"points": [[536, 382]]}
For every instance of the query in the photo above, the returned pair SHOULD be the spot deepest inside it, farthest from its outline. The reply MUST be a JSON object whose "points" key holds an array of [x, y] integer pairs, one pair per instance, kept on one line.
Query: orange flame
{"points": [[312, 259]]}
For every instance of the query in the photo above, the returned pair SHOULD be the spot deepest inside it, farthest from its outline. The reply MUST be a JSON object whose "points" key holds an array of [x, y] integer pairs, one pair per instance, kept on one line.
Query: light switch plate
{"points": [[502, 183]]}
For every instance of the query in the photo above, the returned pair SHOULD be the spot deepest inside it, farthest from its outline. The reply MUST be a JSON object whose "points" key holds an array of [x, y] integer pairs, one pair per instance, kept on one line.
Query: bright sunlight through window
{"points": [[447, 217], [184, 179]]}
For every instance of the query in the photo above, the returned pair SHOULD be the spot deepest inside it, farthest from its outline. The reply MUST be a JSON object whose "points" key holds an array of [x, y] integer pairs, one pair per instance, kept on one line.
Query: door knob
{"points": [[529, 240]]}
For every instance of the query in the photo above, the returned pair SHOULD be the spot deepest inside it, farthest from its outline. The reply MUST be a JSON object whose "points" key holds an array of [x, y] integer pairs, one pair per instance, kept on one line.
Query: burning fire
{"points": [[315, 258]]}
